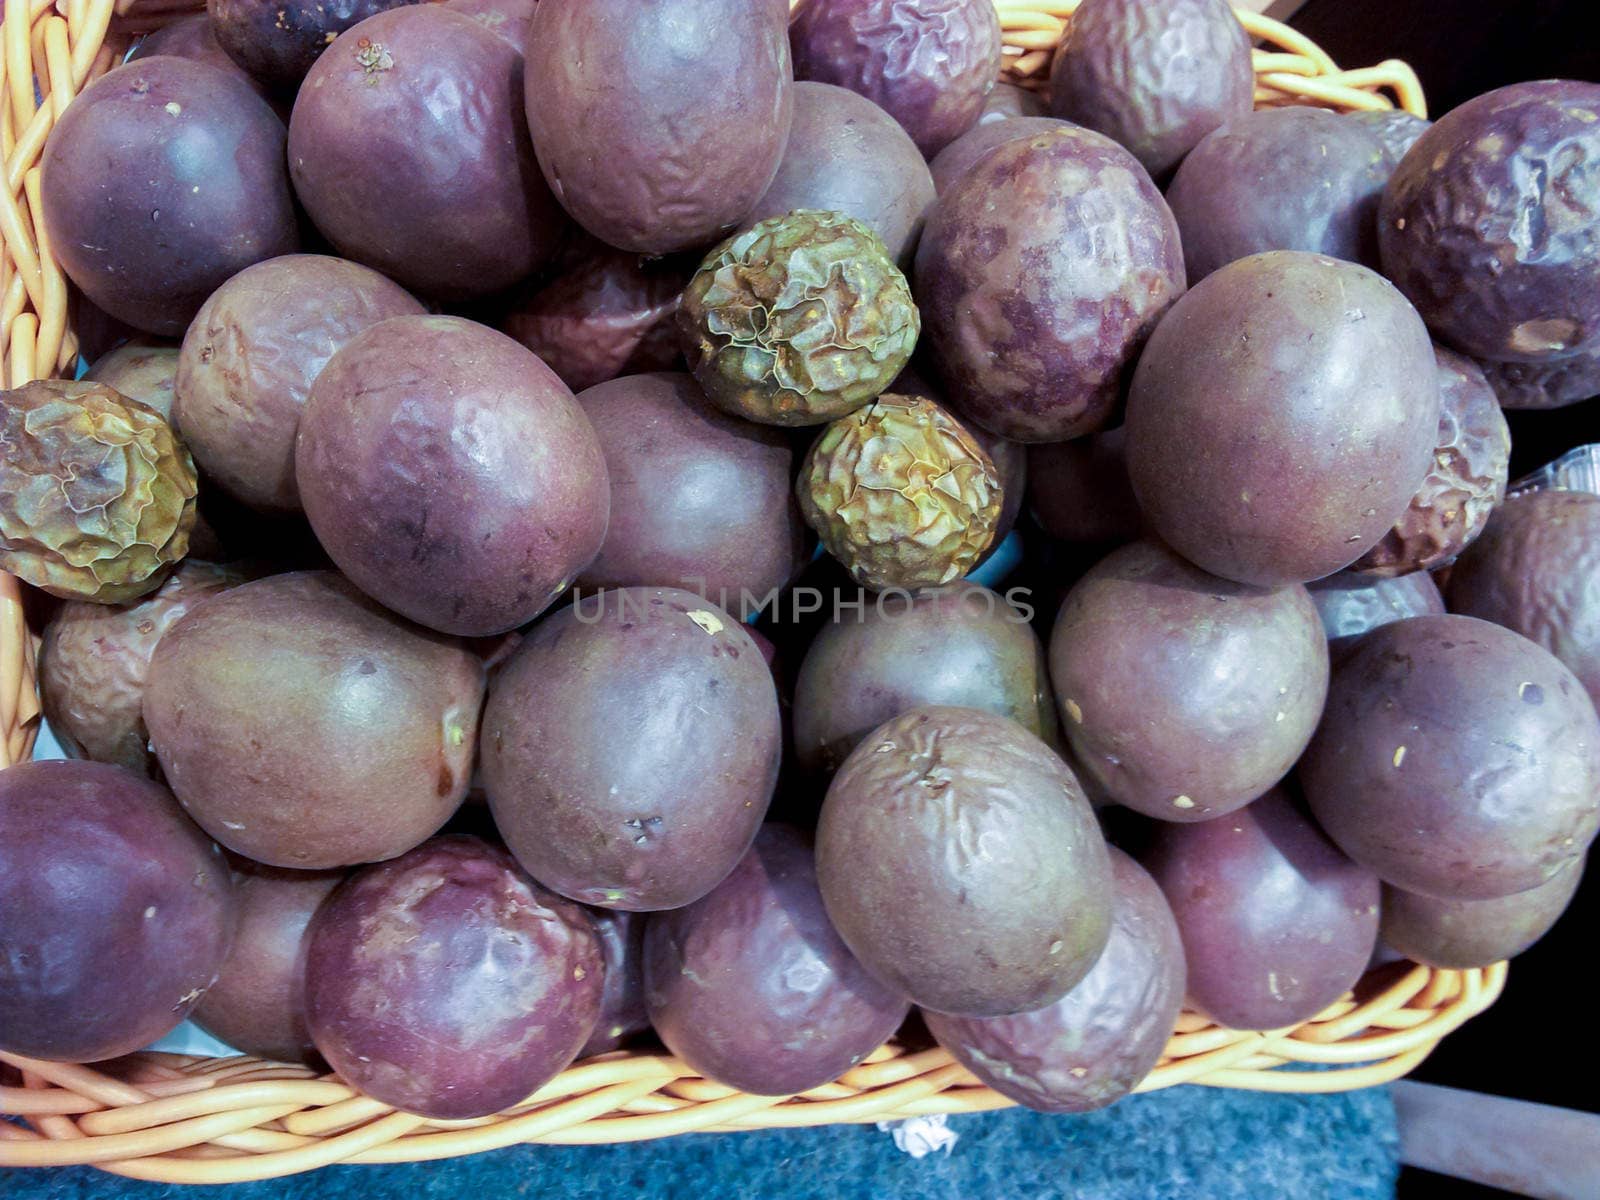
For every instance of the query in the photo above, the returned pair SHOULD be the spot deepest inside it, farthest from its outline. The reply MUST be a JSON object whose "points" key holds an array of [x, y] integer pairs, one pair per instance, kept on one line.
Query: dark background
{"points": [[1531, 1044], [1460, 48]]}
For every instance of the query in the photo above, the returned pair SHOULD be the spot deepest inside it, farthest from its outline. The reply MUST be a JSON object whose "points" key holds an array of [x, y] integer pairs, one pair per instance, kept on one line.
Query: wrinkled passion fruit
{"points": [[901, 494], [97, 495], [930, 65], [1040, 273], [1465, 482], [798, 320], [94, 659], [1491, 223], [1155, 75], [925, 836], [659, 126]]}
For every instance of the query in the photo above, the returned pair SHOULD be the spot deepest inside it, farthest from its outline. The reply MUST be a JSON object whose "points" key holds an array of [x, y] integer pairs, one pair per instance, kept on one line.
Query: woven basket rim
{"points": [[187, 1119], [184, 1119]]}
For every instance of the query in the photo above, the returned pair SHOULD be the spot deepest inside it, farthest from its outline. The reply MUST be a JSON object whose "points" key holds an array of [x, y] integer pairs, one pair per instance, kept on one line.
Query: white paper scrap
{"points": [[919, 1136]]}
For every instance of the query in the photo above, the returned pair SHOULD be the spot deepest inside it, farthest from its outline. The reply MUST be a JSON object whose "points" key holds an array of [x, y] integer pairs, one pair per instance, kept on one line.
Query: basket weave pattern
{"points": [[1290, 68], [179, 1119], [183, 1119]]}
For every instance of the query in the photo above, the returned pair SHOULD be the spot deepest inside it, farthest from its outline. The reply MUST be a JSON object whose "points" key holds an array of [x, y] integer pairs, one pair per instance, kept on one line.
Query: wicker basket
{"points": [[196, 1120]]}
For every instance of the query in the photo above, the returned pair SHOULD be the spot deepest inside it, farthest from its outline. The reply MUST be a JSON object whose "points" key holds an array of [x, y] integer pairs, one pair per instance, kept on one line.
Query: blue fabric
{"points": [[1187, 1143]]}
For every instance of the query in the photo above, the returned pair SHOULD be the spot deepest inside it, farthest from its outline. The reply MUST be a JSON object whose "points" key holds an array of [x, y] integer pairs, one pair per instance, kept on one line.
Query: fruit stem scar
{"points": [[372, 57]]}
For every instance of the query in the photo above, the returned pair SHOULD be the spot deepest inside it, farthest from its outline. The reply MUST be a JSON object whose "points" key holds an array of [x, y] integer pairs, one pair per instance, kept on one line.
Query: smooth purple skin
{"points": [[1277, 924], [1183, 695], [257, 1004], [1351, 604], [753, 987], [1397, 129], [630, 748], [193, 37], [769, 652], [150, 210], [1078, 491], [304, 726], [607, 314], [449, 984], [1154, 75], [699, 500], [961, 155], [930, 65], [1093, 1046], [250, 357], [1040, 273], [1456, 759], [1461, 934], [845, 154], [450, 474], [118, 911], [962, 864], [659, 126], [407, 124], [623, 1015], [1291, 178], [1489, 223], [1008, 101], [506, 19], [1553, 384], [960, 645], [1536, 570], [277, 41], [1255, 448]]}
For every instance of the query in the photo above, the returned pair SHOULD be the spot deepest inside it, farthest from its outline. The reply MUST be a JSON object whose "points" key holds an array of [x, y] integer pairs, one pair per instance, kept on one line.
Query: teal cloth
{"points": [[1187, 1143]]}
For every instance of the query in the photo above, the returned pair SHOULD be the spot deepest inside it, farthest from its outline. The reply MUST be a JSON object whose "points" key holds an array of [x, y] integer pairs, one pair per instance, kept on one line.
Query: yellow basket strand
{"points": [[251, 1126], [1286, 57]]}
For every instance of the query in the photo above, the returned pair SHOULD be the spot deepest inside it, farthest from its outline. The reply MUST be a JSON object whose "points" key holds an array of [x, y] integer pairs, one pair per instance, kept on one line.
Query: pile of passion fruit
{"points": [[594, 521]]}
